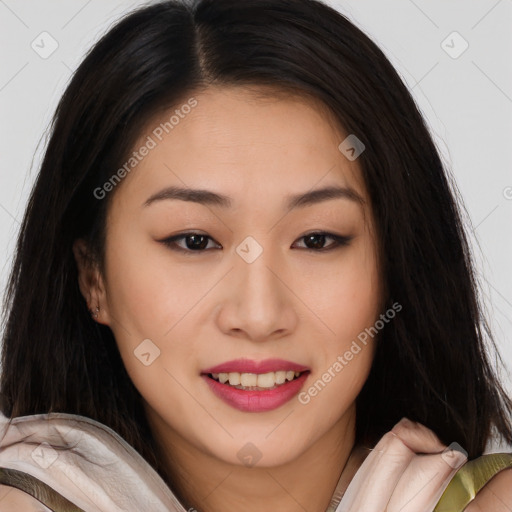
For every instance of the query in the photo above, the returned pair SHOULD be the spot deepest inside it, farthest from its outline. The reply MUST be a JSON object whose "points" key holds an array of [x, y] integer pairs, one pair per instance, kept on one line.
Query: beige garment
{"points": [[85, 462], [74, 464], [77, 464]]}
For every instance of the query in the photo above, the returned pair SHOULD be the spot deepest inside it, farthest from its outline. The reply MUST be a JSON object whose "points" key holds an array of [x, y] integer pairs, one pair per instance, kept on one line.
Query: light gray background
{"points": [[467, 101]]}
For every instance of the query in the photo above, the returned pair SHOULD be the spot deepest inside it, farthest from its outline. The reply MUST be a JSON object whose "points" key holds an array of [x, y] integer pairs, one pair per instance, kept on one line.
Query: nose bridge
{"points": [[256, 259], [257, 302]]}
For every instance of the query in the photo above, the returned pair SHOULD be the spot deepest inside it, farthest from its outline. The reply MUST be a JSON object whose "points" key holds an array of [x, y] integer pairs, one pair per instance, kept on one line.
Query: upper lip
{"points": [[250, 366]]}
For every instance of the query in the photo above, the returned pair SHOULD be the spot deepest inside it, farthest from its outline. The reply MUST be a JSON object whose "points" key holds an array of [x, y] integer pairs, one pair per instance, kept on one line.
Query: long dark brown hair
{"points": [[431, 364]]}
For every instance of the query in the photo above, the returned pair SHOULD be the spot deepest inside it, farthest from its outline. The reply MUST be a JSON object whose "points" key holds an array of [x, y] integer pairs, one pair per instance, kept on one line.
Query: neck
{"points": [[205, 483]]}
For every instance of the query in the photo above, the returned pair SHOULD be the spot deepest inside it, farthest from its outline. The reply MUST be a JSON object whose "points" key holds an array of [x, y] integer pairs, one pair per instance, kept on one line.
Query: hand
{"points": [[407, 471]]}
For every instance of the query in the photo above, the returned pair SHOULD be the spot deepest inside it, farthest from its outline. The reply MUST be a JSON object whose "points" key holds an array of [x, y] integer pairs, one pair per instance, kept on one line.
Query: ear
{"points": [[90, 282]]}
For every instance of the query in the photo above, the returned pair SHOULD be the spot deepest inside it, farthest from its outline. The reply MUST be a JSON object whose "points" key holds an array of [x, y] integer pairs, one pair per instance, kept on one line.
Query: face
{"points": [[193, 282]]}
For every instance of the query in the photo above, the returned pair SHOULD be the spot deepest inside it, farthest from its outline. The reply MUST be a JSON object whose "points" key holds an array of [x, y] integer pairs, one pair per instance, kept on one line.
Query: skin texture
{"points": [[203, 308]]}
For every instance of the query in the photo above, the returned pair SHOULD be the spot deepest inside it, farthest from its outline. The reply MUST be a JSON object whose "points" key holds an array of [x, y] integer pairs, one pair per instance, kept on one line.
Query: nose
{"points": [[259, 303]]}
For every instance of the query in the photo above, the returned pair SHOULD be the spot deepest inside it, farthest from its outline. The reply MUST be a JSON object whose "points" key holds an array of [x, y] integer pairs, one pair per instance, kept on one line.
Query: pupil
{"points": [[316, 237], [197, 246]]}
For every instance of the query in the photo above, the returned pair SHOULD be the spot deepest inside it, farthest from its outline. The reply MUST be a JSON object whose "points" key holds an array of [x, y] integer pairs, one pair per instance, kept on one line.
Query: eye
{"points": [[198, 242], [315, 241], [194, 242]]}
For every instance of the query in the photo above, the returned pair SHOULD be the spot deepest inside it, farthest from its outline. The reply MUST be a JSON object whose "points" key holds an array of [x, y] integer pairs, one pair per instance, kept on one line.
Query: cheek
{"points": [[345, 353], [147, 292], [150, 297], [345, 293], [146, 298], [347, 299]]}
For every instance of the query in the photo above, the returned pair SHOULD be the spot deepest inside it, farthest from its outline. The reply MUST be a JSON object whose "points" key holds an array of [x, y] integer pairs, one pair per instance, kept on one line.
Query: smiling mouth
{"points": [[255, 381]]}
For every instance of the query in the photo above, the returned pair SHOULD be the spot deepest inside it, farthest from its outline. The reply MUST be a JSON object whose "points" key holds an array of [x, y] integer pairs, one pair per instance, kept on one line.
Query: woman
{"points": [[241, 265]]}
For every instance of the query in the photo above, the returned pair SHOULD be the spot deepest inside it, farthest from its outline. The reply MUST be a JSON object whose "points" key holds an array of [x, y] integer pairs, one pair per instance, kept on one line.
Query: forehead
{"points": [[245, 139]]}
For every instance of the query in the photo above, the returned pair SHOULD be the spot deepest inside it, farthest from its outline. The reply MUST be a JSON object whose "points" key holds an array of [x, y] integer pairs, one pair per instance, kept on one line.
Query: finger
{"points": [[424, 480], [417, 437], [374, 482]]}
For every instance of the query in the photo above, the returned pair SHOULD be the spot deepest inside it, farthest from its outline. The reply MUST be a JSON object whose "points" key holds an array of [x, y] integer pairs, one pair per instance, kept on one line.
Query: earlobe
{"points": [[90, 282]]}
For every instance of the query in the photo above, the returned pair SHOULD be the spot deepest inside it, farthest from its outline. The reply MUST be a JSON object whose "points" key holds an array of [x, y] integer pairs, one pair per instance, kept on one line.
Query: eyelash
{"points": [[339, 242]]}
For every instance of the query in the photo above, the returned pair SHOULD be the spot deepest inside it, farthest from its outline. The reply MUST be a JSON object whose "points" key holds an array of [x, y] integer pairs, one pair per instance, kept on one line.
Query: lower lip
{"points": [[257, 401]]}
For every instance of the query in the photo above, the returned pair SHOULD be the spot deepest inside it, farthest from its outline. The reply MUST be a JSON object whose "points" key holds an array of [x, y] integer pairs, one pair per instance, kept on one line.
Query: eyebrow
{"points": [[207, 197]]}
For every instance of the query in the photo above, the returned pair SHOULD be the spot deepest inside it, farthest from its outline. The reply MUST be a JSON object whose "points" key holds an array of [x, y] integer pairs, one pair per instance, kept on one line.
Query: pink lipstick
{"points": [[251, 398]]}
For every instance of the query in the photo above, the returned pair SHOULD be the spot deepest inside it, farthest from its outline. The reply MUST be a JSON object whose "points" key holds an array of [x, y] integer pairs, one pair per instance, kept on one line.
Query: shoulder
{"points": [[13, 499], [495, 496]]}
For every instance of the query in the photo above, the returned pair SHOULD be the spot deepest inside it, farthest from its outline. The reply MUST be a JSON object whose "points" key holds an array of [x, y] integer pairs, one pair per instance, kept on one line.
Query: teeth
{"points": [[265, 380], [234, 378], [245, 379], [261, 380], [280, 377]]}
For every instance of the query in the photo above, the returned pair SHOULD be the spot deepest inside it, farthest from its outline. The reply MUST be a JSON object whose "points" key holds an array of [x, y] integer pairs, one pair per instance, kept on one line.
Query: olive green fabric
{"points": [[469, 479]]}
